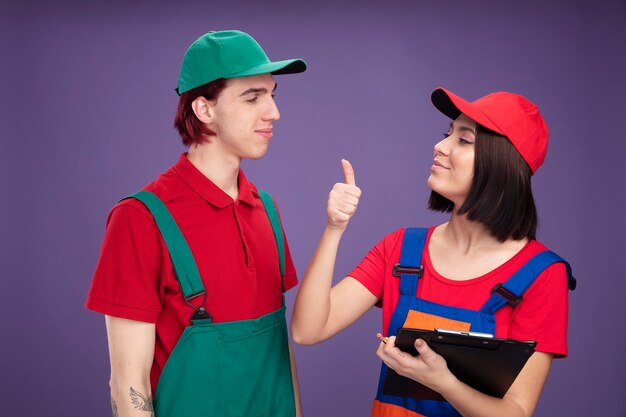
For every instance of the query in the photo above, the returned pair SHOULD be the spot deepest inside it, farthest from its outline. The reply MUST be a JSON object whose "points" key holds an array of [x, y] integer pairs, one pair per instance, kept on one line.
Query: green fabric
{"points": [[182, 259], [228, 54], [230, 369], [272, 214]]}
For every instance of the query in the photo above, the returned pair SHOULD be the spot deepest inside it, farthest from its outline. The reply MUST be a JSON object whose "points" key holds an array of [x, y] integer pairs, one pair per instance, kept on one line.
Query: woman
{"points": [[480, 175]]}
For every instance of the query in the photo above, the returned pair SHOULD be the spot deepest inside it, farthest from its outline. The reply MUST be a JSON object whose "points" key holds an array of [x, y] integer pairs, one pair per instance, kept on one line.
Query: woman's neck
{"points": [[461, 249], [466, 236]]}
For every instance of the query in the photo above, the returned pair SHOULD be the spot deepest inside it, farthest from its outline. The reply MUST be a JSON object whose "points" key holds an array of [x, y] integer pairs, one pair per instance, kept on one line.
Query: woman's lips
{"points": [[437, 164]]}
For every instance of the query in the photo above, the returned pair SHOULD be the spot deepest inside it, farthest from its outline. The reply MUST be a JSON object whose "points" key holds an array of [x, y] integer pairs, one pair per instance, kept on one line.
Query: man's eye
{"points": [[445, 135], [253, 99]]}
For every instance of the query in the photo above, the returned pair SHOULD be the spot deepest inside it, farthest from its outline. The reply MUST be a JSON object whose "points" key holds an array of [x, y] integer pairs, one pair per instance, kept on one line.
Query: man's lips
{"points": [[267, 133]]}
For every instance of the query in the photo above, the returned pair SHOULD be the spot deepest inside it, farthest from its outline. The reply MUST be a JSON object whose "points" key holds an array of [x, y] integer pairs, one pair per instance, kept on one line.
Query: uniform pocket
{"points": [[188, 385], [254, 372]]}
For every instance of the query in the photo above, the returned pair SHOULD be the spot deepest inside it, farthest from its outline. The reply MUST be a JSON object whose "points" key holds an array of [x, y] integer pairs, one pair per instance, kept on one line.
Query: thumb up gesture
{"points": [[343, 199]]}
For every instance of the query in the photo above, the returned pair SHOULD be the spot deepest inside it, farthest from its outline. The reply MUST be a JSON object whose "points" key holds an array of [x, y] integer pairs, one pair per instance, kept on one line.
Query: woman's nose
{"points": [[442, 147]]}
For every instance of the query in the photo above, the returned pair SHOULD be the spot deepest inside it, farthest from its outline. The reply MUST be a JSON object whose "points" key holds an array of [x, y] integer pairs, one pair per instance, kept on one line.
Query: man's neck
{"points": [[222, 172]]}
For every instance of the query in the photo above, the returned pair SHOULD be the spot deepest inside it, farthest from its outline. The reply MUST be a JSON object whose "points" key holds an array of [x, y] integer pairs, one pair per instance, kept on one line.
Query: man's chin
{"points": [[256, 155]]}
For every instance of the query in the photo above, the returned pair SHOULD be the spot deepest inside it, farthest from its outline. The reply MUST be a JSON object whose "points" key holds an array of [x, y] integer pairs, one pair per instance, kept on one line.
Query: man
{"points": [[193, 268]]}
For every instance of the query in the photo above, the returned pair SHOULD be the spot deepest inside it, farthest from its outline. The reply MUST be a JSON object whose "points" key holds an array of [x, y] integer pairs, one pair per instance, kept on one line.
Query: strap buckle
{"points": [[571, 283], [199, 313], [398, 270], [512, 299]]}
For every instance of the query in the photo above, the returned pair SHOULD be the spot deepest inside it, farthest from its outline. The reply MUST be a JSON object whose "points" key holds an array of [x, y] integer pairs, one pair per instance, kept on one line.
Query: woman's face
{"points": [[453, 166]]}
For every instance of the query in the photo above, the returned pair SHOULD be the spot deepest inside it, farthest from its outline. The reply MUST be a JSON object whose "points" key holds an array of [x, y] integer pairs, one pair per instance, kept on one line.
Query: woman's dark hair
{"points": [[500, 195], [191, 129]]}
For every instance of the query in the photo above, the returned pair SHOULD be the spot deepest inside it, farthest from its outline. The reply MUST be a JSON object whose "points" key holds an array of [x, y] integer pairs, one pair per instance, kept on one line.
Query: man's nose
{"points": [[272, 112]]}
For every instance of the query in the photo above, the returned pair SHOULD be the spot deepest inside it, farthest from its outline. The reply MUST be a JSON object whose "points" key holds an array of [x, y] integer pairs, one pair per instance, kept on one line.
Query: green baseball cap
{"points": [[228, 54]]}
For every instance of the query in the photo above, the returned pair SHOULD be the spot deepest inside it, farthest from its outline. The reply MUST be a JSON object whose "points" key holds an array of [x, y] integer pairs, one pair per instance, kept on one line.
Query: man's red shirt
{"points": [[232, 243]]}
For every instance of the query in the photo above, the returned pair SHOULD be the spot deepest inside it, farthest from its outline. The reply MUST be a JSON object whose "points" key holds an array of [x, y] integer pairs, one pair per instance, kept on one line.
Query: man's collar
{"points": [[208, 190]]}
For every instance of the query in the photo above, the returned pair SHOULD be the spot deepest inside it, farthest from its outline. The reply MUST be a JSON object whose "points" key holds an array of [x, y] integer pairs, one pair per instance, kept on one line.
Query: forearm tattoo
{"points": [[141, 402], [114, 407]]}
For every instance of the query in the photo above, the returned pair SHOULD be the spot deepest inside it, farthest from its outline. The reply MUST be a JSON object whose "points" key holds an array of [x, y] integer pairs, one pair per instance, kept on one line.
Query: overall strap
{"points": [[410, 268], [512, 290], [182, 259], [272, 214]]}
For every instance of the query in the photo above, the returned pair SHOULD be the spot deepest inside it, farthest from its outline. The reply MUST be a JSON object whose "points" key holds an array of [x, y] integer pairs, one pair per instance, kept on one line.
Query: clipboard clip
{"points": [[512, 299]]}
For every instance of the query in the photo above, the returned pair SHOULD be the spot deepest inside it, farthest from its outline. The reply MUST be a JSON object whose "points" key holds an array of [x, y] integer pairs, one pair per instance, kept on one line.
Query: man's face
{"points": [[243, 116]]}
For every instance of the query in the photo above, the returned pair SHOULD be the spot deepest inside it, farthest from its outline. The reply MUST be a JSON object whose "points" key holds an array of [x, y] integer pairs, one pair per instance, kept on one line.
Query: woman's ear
{"points": [[203, 109]]}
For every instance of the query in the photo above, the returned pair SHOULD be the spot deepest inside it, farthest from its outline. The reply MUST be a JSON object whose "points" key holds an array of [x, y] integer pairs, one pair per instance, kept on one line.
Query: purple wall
{"points": [[88, 119]]}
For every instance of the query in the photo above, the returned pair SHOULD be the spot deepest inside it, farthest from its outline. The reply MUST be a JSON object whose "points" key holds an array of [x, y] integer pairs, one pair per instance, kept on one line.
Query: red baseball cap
{"points": [[508, 114]]}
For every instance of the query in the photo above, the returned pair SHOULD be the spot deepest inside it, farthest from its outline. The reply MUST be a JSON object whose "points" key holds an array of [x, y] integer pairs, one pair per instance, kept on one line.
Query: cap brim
{"points": [[288, 66], [452, 106]]}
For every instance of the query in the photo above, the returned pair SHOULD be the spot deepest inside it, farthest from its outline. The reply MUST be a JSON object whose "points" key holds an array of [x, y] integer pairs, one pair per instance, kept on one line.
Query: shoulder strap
{"points": [[412, 247], [410, 267], [272, 214], [512, 290], [182, 259]]}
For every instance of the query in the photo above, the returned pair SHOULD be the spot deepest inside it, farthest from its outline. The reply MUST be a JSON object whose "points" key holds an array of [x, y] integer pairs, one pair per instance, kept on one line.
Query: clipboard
{"points": [[487, 364]]}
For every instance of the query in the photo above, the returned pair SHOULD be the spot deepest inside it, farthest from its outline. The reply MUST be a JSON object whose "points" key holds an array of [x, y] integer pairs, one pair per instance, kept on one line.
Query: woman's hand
{"points": [[321, 310], [431, 370], [428, 368], [343, 200]]}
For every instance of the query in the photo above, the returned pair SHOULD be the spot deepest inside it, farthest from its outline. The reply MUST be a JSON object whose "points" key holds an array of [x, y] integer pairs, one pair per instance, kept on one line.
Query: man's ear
{"points": [[203, 109]]}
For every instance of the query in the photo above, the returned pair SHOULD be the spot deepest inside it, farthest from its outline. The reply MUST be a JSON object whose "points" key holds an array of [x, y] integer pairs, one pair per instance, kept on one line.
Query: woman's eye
{"points": [[465, 142]]}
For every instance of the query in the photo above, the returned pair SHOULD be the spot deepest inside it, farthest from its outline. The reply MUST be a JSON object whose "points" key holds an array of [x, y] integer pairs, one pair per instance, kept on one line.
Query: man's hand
{"points": [[343, 199]]}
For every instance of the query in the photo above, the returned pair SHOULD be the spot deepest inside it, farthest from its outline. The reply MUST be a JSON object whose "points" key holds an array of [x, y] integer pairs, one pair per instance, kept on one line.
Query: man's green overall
{"points": [[235, 369]]}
